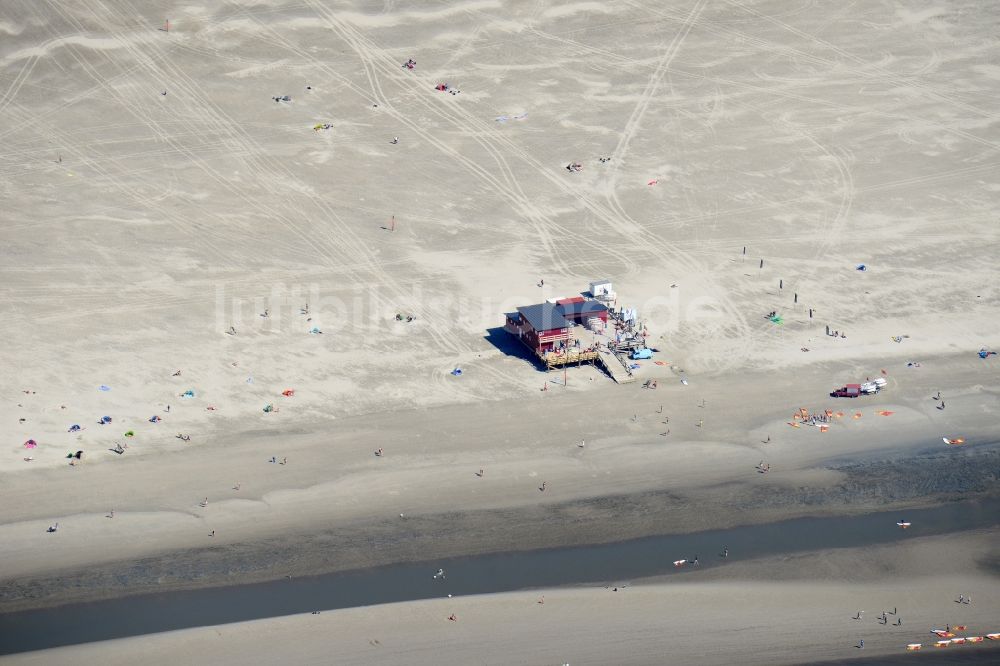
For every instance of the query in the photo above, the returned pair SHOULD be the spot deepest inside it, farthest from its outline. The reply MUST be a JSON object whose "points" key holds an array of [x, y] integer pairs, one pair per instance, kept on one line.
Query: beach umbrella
{"points": [[130, 433], [75, 428], [105, 420], [30, 444]]}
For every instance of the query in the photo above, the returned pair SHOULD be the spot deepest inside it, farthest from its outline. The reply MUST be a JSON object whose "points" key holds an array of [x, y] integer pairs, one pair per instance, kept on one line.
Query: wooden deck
{"points": [[571, 357]]}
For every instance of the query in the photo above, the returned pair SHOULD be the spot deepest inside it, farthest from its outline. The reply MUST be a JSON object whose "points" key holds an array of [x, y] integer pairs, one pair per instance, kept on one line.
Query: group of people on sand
{"points": [[576, 166]]}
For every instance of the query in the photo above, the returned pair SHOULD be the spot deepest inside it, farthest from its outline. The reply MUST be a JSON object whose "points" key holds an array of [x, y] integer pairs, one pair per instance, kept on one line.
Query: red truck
{"points": [[849, 391]]}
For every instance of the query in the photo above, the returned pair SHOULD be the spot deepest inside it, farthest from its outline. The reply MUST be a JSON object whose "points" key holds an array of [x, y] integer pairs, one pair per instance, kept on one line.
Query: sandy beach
{"points": [[190, 254]]}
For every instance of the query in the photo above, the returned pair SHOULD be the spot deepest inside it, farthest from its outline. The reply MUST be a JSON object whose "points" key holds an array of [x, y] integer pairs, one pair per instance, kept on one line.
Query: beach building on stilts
{"points": [[544, 329], [550, 329]]}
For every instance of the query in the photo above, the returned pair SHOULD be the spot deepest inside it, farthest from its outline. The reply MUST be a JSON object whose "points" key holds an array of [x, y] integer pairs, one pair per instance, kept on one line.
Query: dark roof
{"points": [[582, 308], [544, 316]]}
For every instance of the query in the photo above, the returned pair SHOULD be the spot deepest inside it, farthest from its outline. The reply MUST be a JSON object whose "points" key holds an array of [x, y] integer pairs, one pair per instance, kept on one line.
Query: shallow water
{"points": [[609, 563]]}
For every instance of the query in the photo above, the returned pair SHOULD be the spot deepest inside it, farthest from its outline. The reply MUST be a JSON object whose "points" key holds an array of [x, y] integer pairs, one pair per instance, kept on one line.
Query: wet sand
{"points": [[800, 611]]}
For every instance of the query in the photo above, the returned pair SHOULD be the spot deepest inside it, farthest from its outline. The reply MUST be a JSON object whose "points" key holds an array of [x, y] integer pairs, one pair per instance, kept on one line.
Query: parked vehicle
{"points": [[849, 391], [854, 390]]}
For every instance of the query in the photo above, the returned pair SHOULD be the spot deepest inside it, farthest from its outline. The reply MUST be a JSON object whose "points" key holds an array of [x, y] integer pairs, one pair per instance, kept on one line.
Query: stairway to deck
{"points": [[616, 365]]}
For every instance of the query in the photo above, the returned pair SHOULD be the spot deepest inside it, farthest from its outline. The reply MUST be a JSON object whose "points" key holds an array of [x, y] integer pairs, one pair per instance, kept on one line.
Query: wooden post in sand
{"points": [[392, 224]]}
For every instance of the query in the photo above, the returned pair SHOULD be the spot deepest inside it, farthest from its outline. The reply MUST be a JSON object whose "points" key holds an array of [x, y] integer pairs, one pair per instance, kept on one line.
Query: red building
{"points": [[546, 327], [541, 327], [580, 310]]}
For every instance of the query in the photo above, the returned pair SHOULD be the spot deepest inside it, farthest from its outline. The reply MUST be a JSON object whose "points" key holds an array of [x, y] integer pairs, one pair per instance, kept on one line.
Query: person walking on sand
{"points": [[542, 487], [862, 644], [212, 534]]}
